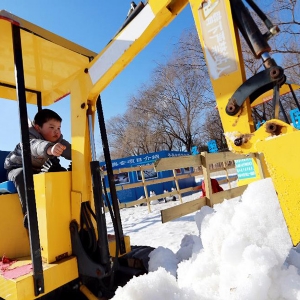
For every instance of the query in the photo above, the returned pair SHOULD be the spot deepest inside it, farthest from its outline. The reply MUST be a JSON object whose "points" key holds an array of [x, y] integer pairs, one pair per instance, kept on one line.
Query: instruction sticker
{"points": [[218, 43], [245, 168]]}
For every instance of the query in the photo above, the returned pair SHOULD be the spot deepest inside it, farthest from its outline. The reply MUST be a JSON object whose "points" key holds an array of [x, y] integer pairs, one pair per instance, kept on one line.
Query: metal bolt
{"points": [[271, 128], [274, 72], [238, 141]]}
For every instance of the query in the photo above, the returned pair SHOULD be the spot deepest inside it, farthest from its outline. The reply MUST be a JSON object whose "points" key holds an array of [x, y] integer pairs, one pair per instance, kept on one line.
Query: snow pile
{"points": [[243, 251]]}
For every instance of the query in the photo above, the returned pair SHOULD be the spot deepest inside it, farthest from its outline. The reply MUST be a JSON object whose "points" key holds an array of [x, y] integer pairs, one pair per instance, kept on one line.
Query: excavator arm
{"points": [[218, 25], [220, 43]]}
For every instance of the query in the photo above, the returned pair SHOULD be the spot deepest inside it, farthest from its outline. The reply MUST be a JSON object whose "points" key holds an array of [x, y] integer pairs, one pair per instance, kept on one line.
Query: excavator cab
{"points": [[66, 244]]}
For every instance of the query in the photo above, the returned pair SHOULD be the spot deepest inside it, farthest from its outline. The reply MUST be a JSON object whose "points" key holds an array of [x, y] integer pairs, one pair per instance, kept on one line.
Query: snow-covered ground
{"points": [[239, 249]]}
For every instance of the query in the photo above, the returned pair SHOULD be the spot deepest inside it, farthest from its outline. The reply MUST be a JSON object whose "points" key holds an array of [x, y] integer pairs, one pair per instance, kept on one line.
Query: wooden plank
{"points": [[223, 156], [191, 206], [156, 197], [197, 173], [182, 209], [133, 203], [161, 180], [213, 170], [161, 196], [217, 197], [228, 194], [171, 163], [170, 194], [152, 181], [189, 189], [259, 160], [227, 176], [206, 175], [184, 176], [177, 162], [230, 179], [129, 204]]}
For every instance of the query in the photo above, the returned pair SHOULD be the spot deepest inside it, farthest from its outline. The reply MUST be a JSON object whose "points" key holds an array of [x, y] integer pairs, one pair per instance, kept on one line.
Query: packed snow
{"points": [[239, 249]]}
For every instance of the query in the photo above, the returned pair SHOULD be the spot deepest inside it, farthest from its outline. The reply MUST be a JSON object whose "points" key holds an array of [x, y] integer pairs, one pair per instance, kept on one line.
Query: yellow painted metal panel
{"points": [[282, 158], [50, 62], [14, 241], [53, 202], [46, 34], [76, 201], [221, 48], [220, 44], [267, 96], [81, 149], [55, 275], [251, 139]]}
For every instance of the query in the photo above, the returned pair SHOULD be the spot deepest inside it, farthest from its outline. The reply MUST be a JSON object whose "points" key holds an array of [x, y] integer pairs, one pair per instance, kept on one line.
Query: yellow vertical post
{"points": [[221, 47], [81, 151]]}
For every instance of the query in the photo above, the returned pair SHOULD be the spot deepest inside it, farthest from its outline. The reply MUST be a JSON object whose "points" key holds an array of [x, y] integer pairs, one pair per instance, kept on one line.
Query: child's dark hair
{"points": [[45, 115]]}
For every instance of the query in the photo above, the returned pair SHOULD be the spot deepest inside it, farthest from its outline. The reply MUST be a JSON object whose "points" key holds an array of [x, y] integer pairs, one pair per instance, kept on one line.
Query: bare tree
{"points": [[213, 130], [135, 133], [176, 101]]}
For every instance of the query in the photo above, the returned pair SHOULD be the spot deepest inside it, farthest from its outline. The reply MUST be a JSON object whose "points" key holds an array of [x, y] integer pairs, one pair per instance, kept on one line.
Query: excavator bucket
{"points": [[279, 142], [282, 158]]}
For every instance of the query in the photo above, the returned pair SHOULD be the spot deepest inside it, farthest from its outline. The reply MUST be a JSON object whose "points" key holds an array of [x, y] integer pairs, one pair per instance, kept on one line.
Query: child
{"points": [[214, 186], [46, 142]]}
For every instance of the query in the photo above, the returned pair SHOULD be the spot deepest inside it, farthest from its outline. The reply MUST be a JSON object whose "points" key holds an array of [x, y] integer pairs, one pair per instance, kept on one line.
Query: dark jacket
{"points": [[38, 148]]}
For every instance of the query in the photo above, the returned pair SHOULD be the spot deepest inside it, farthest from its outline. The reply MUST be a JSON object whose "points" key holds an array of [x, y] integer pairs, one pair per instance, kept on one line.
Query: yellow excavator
{"points": [[66, 252]]}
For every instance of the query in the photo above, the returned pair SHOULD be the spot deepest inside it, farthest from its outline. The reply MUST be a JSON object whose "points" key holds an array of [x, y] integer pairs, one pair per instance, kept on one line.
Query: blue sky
{"points": [[91, 24]]}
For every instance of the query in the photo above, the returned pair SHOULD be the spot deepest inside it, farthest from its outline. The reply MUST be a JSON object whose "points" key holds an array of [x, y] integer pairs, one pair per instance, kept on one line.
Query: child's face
{"points": [[50, 130]]}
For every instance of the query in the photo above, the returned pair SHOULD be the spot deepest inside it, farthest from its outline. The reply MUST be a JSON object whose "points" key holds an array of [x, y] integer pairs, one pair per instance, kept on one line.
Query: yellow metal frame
{"points": [[55, 275], [85, 75], [282, 158], [112, 245], [14, 237], [53, 205], [44, 69], [267, 96]]}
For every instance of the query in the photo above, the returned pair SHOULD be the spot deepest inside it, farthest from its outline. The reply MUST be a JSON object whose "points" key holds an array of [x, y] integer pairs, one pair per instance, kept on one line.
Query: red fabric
{"points": [[6, 260], [8, 271], [16, 272], [214, 186]]}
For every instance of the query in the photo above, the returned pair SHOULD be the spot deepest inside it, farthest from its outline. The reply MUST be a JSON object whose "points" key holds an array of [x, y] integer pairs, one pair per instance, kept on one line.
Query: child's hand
{"points": [[56, 150]]}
